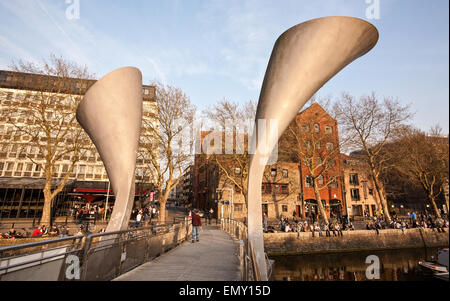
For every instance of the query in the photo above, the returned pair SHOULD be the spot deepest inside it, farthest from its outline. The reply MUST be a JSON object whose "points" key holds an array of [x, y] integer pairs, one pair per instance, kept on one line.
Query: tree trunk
{"points": [[319, 203], [383, 201], [46, 211], [162, 207], [436, 209]]}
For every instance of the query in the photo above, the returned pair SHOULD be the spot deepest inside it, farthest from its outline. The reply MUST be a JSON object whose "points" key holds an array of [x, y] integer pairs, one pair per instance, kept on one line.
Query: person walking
{"points": [[196, 223]]}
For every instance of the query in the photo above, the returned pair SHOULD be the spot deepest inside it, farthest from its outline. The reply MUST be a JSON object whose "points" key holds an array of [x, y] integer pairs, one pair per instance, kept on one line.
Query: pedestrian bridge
{"points": [[213, 258], [156, 253]]}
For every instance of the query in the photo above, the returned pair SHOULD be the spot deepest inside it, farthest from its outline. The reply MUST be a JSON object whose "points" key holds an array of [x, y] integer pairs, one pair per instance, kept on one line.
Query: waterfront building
{"points": [[21, 176], [359, 191], [222, 191]]}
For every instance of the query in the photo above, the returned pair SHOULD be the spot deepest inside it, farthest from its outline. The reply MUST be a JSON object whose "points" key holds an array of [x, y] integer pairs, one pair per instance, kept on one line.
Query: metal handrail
{"points": [[40, 243], [238, 230], [85, 247]]}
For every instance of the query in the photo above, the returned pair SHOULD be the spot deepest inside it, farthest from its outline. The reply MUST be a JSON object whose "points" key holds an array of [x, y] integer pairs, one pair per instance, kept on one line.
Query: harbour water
{"points": [[395, 265]]}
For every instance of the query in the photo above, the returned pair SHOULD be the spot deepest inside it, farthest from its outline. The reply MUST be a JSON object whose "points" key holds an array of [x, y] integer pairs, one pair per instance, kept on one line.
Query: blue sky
{"points": [[220, 49]]}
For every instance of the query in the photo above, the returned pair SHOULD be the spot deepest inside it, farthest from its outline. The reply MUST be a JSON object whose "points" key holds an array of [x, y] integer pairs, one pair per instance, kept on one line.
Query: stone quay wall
{"points": [[353, 241]]}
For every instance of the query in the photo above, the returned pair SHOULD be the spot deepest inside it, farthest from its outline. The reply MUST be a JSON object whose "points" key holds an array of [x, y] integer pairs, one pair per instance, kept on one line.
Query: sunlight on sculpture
{"points": [[303, 59], [111, 114]]}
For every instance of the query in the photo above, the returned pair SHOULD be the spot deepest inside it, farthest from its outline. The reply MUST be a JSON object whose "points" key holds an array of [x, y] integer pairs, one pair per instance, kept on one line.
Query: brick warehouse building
{"points": [[21, 180], [290, 191], [212, 189], [317, 131]]}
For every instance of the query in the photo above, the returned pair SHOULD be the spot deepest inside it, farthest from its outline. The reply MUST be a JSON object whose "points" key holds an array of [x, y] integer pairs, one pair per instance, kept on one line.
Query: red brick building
{"points": [[315, 148], [293, 193]]}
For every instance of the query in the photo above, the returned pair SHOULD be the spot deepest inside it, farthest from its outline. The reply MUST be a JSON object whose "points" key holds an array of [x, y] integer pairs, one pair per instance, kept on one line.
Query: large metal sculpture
{"points": [[111, 114], [304, 58]]}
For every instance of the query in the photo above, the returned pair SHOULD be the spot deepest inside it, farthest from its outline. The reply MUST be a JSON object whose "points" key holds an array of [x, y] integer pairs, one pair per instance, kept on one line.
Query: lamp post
{"points": [[230, 209]]}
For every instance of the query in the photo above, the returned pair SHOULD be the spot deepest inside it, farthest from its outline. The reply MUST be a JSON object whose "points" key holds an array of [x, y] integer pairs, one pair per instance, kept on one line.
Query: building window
{"points": [[370, 191], [285, 173], [273, 172], [237, 189], [354, 179], [305, 127], [330, 146], [284, 208], [307, 144], [318, 145], [238, 207], [284, 189], [316, 128], [332, 163], [9, 166], [319, 160], [320, 180], [308, 181], [355, 194], [328, 130], [334, 183], [237, 171]]}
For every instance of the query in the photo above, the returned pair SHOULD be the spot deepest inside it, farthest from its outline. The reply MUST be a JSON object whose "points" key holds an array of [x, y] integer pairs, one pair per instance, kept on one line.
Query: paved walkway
{"points": [[214, 258]]}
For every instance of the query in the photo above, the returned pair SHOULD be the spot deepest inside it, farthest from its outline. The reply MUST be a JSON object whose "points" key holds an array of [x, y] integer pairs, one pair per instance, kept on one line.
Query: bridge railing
{"points": [[249, 268], [102, 256]]}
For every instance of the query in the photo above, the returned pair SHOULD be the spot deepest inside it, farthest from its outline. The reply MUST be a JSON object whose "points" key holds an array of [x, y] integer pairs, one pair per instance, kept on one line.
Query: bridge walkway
{"points": [[213, 258]]}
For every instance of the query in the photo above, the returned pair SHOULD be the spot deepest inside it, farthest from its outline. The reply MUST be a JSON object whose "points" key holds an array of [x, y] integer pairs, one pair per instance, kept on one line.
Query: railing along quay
{"points": [[102, 256], [247, 259]]}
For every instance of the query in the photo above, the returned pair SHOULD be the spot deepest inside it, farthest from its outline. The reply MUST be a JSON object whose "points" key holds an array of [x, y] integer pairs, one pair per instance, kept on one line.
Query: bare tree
{"points": [[232, 118], [370, 124], [306, 141], [425, 158], [167, 150], [46, 120]]}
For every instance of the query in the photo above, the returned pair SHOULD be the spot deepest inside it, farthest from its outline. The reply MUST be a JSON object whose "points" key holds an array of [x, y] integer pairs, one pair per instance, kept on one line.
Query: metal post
{"points": [[107, 197], [231, 208], [241, 259]]}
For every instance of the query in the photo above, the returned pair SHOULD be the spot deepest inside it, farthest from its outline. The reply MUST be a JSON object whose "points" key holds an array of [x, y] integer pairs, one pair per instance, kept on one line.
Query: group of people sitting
{"points": [[12, 234], [332, 228], [421, 221], [43, 231]]}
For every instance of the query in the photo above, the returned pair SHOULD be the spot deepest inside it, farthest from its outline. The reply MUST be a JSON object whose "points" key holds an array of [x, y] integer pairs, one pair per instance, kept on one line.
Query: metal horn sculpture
{"points": [[111, 114], [304, 58]]}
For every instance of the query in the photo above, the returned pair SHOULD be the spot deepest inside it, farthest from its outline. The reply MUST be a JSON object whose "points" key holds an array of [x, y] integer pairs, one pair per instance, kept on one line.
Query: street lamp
{"points": [[230, 211]]}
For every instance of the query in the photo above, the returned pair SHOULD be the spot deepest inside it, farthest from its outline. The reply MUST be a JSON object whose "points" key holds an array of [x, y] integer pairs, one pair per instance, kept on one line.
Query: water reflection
{"points": [[396, 265]]}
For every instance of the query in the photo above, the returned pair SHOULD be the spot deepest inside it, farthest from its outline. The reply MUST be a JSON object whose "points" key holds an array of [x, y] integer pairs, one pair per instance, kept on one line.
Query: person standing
{"points": [[196, 223], [265, 221], [210, 215], [138, 219]]}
